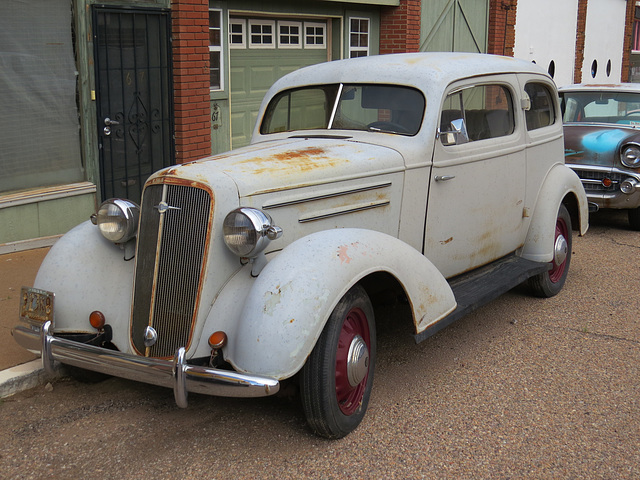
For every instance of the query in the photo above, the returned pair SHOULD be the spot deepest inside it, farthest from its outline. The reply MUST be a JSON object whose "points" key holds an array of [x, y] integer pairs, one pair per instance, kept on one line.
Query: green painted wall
{"points": [[45, 218]]}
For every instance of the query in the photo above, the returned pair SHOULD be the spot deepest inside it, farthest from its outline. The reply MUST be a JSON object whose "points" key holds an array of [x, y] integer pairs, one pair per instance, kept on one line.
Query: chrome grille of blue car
{"points": [[172, 240], [592, 180]]}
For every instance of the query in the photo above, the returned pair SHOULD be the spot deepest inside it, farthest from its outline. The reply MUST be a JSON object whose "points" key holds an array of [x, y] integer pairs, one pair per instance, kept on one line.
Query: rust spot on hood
{"points": [[301, 160]]}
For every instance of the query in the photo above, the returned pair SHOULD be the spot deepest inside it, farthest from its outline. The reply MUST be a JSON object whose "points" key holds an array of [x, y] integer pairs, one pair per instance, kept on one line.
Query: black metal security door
{"points": [[134, 97]]}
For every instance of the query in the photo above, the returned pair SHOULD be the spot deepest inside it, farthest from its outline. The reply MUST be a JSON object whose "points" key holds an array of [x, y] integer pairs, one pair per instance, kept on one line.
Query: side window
{"points": [[477, 113], [542, 112]]}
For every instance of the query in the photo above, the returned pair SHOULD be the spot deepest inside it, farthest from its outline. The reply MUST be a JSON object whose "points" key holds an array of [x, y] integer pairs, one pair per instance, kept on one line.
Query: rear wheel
{"points": [[338, 375], [634, 218], [549, 283]]}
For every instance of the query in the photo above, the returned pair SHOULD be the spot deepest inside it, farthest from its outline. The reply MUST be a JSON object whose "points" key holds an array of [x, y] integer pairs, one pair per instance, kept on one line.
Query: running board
{"points": [[474, 289]]}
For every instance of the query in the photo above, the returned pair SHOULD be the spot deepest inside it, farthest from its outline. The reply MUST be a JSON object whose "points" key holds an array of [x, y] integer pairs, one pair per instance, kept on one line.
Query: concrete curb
{"points": [[25, 376]]}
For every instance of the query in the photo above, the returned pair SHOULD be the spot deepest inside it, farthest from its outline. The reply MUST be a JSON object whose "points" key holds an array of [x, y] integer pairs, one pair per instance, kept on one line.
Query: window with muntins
{"points": [[358, 37], [262, 33], [315, 35], [289, 34], [215, 49], [237, 33]]}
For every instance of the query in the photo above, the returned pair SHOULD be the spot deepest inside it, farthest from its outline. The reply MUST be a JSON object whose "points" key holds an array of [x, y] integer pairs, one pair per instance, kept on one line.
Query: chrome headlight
{"points": [[117, 220], [247, 231], [630, 156]]}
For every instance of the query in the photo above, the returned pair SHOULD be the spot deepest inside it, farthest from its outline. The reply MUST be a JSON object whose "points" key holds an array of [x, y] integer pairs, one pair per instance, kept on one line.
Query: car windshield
{"points": [[601, 107], [374, 108]]}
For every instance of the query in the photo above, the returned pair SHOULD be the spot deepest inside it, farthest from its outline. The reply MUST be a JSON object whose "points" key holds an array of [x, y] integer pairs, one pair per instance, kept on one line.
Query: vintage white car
{"points": [[438, 177]]}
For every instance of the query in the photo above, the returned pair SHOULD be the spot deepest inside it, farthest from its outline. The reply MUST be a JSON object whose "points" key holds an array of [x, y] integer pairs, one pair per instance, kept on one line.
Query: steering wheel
{"points": [[388, 127]]}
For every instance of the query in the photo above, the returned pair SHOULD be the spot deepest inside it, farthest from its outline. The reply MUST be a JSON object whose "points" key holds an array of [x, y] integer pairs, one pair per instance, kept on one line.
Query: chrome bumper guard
{"points": [[175, 374]]}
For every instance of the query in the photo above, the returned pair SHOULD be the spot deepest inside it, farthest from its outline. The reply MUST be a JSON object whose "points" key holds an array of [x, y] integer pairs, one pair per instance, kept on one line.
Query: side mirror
{"points": [[457, 135]]}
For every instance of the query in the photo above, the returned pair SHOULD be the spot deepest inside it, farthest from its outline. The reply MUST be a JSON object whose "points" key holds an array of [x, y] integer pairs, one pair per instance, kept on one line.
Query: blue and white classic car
{"points": [[437, 177]]}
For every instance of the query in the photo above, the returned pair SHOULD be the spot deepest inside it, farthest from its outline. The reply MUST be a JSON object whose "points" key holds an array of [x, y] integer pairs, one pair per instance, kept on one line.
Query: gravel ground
{"points": [[521, 388]]}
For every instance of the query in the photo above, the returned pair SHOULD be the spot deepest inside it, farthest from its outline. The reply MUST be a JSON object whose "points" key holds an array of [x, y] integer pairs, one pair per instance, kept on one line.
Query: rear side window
{"points": [[487, 111], [542, 112]]}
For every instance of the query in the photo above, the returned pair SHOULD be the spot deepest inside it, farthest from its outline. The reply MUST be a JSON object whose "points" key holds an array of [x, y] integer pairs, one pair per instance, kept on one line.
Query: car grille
{"points": [[172, 241], [594, 180]]}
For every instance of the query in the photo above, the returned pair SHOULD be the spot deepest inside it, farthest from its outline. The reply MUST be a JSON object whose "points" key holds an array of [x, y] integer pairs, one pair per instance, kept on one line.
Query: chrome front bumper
{"points": [[175, 374]]}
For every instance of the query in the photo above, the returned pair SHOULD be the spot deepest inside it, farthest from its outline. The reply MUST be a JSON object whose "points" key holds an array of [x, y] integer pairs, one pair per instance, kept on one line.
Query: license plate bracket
{"points": [[36, 306]]}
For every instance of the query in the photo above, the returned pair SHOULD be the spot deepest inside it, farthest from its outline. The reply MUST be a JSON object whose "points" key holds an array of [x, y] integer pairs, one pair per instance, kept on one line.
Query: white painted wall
{"points": [[546, 32], [604, 40]]}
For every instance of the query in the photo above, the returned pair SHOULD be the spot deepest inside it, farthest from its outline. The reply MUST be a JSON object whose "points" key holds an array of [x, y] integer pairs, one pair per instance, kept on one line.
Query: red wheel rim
{"points": [[350, 397], [557, 269]]}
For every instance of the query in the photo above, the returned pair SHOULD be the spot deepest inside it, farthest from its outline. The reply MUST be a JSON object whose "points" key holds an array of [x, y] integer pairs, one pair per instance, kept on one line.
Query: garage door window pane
{"points": [[261, 34], [289, 35], [237, 37], [315, 35]]}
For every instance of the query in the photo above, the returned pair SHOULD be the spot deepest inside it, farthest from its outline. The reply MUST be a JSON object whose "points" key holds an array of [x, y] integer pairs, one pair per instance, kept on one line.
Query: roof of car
{"points": [[587, 87], [422, 70]]}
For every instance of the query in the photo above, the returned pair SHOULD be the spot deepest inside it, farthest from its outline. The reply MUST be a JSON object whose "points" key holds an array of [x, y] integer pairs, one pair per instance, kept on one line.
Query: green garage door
{"points": [[454, 26], [262, 51]]}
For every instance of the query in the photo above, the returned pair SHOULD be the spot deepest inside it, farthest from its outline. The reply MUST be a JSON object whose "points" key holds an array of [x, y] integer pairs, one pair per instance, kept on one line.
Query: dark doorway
{"points": [[134, 97]]}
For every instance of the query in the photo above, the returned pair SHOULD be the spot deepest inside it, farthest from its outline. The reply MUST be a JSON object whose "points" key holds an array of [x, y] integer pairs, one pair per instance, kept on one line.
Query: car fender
{"points": [[87, 272], [291, 300], [560, 182]]}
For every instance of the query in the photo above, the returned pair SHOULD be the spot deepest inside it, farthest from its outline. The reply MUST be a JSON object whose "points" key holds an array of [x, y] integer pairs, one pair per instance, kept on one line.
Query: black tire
{"points": [[550, 283], [634, 218], [333, 403]]}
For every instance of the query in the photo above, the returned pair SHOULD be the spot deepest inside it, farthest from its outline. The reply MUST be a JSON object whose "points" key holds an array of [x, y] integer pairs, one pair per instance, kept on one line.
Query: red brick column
{"points": [[190, 30], [626, 49], [502, 27], [400, 27], [581, 25]]}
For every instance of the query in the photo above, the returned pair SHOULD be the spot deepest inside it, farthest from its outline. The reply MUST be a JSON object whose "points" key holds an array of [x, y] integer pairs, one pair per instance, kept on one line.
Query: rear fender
{"points": [[289, 303], [559, 183]]}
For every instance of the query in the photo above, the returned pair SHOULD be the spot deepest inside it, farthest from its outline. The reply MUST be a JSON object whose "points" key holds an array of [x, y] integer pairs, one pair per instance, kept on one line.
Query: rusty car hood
{"points": [[596, 144], [292, 163]]}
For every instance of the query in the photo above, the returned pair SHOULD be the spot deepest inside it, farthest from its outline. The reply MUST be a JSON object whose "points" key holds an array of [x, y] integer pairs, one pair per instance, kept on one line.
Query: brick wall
{"points": [[400, 27], [626, 49], [190, 32], [502, 27], [581, 26]]}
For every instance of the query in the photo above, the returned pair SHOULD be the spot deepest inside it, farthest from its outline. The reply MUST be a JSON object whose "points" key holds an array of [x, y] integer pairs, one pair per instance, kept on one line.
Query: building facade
{"points": [[97, 95]]}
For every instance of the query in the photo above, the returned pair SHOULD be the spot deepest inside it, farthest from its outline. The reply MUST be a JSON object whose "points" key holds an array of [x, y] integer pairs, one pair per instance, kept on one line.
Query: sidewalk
{"points": [[19, 369]]}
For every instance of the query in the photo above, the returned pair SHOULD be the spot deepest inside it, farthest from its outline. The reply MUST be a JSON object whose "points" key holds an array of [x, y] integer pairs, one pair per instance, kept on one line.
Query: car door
{"points": [[477, 183]]}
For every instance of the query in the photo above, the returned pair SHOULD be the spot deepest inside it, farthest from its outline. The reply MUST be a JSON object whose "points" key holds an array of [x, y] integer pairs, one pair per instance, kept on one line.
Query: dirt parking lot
{"points": [[521, 388]]}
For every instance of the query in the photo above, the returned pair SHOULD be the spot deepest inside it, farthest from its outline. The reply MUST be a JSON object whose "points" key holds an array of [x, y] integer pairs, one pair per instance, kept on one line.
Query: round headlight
{"points": [[247, 231], [630, 156], [117, 220]]}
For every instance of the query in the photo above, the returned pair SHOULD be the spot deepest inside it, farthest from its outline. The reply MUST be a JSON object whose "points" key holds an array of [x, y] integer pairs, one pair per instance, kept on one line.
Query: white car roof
{"points": [[425, 71]]}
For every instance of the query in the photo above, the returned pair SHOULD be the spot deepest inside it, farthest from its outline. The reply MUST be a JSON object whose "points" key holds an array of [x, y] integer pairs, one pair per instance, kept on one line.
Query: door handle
{"points": [[444, 178], [108, 121]]}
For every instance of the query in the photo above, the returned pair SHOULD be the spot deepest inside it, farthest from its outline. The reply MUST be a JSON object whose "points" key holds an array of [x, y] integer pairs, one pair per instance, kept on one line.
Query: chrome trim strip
{"points": [[268, 206], [382, 203], [174, 373]]}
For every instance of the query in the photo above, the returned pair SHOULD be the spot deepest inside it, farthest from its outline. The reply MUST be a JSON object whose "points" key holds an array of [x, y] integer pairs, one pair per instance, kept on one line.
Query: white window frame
{"points": [[274, 33], [243, 23], [218, 48], [287, 23], [322, 25], [358, 48]]}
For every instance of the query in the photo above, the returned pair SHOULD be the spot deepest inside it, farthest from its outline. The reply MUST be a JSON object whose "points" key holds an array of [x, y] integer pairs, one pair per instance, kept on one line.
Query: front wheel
{"points": [[337, 378], [634, 218], [549, 283]]}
